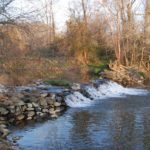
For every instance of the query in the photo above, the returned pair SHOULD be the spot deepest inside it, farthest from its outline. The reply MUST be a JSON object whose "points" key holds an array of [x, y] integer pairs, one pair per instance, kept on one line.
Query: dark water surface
{"points": [[112, 124]]}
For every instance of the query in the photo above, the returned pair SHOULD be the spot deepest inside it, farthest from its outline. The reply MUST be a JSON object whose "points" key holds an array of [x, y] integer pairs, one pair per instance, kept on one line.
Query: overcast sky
{"points": [[60, 9]]}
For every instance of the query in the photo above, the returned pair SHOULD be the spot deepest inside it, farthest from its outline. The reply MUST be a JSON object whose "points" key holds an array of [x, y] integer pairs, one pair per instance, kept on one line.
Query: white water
{"points": [[106, 90]]}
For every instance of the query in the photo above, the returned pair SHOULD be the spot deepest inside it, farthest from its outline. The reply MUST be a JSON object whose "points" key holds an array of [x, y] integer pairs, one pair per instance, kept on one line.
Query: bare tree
{"points": [[49, 18], [147, 21]]}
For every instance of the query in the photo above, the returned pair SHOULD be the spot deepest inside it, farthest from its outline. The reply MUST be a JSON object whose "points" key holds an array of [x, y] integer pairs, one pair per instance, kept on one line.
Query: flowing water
{"points": [[103, 117]]}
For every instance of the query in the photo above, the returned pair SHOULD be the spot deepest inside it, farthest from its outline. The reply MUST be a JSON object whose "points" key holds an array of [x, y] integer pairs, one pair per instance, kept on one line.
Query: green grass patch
{"points": [[142, 74], [64, 83], [96, 69]]}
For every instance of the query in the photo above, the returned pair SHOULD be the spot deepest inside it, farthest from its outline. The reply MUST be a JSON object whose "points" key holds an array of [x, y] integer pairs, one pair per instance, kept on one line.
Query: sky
{"points": [[60, 9]]}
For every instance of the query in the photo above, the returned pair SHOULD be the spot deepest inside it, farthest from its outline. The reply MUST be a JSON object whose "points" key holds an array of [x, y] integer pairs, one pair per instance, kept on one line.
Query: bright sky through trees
{"points": [[61, 11]]}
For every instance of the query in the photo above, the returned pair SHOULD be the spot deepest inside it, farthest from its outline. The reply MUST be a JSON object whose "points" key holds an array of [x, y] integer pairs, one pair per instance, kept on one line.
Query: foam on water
{"points": [[77, 100], [105, 90]]}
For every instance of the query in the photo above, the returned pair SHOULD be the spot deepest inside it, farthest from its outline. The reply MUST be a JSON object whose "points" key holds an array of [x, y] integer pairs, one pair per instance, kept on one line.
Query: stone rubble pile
{"points": [[16, 107]]}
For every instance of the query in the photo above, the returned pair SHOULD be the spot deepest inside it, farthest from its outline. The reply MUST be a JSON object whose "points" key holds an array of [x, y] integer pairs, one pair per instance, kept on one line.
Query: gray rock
{"points": [[38, 113], [12, 111], [16, 138], [20, 117], [38, 109], [76, 86], [3, 126], [31, 113], [24, 108], [29, 105], [52, 111], [12, 107], [21, 103], [43, 102], [53, 96], [35, 105], [11, 120], [59, 99], [63, 103], [41, 114], [2, 118], [44, 95], [30, 118], [50, 101], [59, 109], [30, 109], [18, 110], [57, 104], [19, 95], [3, 122], [3, 111], [4, 131], [45, 110], [54, 115]]}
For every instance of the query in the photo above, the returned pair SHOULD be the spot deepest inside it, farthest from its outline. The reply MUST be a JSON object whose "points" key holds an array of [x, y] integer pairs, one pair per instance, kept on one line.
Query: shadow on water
{"points": [[112, 124]]}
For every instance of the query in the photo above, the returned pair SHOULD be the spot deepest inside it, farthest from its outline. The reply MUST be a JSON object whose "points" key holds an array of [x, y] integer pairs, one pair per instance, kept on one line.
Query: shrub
{"points": [[64, 83]]}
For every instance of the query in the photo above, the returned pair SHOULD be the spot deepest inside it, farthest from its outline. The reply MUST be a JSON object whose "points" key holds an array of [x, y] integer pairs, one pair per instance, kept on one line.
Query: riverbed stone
{"points": [[3, 122], [45, 110], [76, 86], [18, 110], [50, 101], [11, 120], [38, 109], [57, 104], [52, 96], [21, 103], [41, 114], [30, 109], [43, 102], [31, 113], [59, 99], [16, 138], [12, 109], [20, 117], [35, 105], [29, 105], [54, 115], [44, 95], [59, 109], [3, 126], [3, 111], [2, 118], [52, 111], [24, 108], [4, 132], [30, 118]]}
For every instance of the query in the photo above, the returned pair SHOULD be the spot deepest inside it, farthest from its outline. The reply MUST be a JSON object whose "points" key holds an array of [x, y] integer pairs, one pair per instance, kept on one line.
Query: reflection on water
{"points": [[113, 124]]}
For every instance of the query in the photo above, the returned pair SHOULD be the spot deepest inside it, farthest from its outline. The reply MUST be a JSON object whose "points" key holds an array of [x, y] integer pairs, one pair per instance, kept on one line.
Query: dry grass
{"points": [[22, 71]]}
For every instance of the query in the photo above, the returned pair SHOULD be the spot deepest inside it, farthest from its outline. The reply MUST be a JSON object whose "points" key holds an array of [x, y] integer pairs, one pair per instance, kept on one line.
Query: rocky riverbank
{"points": [[17, 106], [41, 101]]}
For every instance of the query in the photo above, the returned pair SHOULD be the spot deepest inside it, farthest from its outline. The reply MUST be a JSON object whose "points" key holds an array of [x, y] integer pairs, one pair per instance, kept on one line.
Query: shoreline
{"points": [[24, 104]]}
